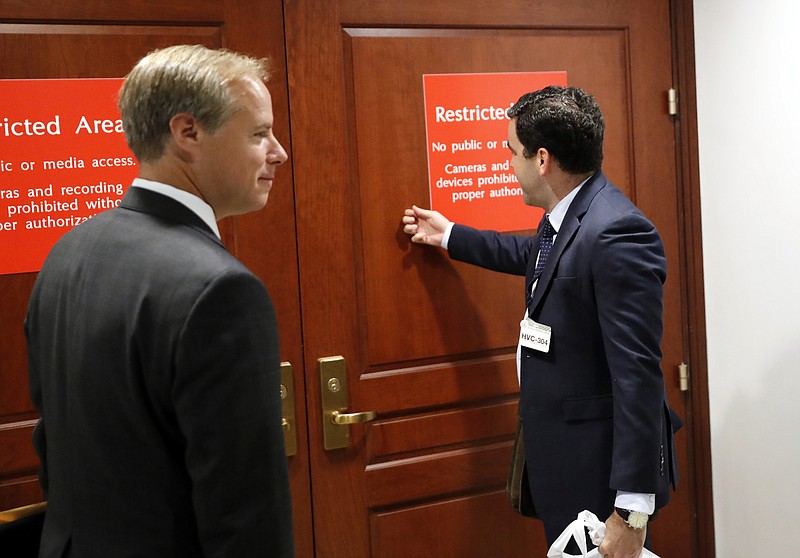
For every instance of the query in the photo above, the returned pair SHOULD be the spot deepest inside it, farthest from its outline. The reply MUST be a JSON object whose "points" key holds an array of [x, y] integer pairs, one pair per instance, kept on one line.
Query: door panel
{"points": [[76, 42], [429, 529], [387, 65], [430, 343]]}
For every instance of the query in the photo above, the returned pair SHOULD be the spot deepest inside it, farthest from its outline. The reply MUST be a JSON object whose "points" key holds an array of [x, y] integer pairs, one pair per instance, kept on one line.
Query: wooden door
{"points": [[77, 39], [429, 343]]}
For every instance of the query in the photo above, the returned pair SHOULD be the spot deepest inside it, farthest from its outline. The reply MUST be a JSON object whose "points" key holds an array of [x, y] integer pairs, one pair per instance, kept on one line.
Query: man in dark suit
{"points": [[153, 352], [597, 429]]}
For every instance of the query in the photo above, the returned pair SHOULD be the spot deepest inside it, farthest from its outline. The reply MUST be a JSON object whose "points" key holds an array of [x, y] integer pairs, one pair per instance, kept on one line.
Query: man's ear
{"points": [[543, 160], [184, 130]]}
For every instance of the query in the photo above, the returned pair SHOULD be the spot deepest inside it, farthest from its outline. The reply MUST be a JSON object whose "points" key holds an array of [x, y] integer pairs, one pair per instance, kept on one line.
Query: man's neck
{"points": [[562, 185], [169, 174]]}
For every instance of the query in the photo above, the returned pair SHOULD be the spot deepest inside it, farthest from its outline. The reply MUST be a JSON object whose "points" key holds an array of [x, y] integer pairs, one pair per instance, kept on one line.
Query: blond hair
{"points": [[184, 78]]}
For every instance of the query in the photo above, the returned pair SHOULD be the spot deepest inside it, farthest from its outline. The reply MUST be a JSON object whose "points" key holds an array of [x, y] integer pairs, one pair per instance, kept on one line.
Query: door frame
{"points": [[687, 160]]}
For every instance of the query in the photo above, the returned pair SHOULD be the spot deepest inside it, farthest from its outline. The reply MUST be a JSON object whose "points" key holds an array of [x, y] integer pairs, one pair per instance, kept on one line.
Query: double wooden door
{"points": [[425, 343]]}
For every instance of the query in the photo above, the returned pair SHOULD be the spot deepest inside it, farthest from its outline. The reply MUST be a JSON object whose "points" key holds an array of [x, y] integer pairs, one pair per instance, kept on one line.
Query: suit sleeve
{"points": [[629, 268], [489, 249], [226, 394]]}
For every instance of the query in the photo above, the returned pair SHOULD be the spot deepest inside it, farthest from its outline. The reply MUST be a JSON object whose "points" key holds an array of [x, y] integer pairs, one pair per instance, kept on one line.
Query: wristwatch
{"points": [[635, 519]]}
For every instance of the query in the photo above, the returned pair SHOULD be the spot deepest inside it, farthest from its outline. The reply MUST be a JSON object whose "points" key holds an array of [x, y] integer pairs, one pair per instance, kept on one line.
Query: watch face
{"points": [[637, 520]]}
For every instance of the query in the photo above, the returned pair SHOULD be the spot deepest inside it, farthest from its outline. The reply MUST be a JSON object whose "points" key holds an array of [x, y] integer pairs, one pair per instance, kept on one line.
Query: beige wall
{"points": [[748, 89]]}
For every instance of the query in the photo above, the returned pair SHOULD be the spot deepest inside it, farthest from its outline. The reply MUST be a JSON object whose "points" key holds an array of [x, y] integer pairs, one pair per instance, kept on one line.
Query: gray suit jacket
{"points": [[153, 360]]}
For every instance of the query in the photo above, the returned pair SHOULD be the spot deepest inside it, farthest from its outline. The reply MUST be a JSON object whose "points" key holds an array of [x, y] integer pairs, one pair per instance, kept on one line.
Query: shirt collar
{"points": [[560, 210], [196, 204]]}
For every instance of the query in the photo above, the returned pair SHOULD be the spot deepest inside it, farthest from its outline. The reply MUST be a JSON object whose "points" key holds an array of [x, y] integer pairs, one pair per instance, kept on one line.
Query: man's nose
{"points": [[276, 154]]}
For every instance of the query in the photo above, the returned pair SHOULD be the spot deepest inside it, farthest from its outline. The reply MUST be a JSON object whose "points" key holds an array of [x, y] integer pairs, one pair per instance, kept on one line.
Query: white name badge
{"points": [[534, 335]]}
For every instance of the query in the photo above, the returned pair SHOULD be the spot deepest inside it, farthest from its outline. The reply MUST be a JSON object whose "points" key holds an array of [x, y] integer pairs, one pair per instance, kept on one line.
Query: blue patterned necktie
{"points": [[546, 233]]}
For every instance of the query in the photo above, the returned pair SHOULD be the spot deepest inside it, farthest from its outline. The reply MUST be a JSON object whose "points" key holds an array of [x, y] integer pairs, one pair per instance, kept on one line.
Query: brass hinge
{"points": [[683, 376], [672, 102]]}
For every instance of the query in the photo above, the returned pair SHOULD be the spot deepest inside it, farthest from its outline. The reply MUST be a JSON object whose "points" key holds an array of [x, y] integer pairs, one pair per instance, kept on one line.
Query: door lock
{"points": [[335, 421], [288, 420]]}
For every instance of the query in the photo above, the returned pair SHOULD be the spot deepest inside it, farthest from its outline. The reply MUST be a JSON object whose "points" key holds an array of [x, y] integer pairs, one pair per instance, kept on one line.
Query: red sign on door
{"points": [[63, 159], [470, 178]]}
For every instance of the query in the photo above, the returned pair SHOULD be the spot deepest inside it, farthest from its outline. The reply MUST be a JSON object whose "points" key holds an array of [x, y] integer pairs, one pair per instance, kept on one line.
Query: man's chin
{"points": [[256, 205], [260, 199]]}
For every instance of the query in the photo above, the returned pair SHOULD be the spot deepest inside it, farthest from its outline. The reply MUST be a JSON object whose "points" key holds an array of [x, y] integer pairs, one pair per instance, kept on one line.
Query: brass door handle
{"points": [[353, 418], [335, 420], [9, 516]]}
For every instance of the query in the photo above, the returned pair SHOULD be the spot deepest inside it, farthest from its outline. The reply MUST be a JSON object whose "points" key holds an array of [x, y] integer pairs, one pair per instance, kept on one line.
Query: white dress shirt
{"points": [[194, 203]]}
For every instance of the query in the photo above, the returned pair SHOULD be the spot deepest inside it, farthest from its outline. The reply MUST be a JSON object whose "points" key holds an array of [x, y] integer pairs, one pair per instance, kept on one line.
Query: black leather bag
{"points": [[517, 488]]}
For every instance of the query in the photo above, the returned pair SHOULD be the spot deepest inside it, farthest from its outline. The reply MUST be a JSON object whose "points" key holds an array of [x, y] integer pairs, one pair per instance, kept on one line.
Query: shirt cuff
{"points": [[446, 235], [635, 501]]}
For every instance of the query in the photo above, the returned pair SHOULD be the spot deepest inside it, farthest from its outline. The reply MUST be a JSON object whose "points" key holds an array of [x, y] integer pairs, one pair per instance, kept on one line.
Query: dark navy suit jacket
{"points": [[153, 360], [594, 411]]}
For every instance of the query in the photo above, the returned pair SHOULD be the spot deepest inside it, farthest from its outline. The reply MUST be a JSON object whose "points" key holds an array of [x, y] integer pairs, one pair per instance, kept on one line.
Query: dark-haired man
{"points": [[597, 428]]}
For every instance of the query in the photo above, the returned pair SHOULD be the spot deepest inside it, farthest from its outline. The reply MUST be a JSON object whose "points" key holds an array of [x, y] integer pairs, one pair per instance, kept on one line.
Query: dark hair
{"points": [[564, 120]]}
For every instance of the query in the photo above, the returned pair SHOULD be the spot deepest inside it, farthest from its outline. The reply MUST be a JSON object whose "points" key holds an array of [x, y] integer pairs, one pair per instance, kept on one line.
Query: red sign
{"points": [[470, 178], [63, 159]]}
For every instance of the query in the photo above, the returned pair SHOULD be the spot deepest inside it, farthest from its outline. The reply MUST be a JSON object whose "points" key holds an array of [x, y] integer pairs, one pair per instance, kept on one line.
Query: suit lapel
{"points": [[572, 222], [153, 203]]}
